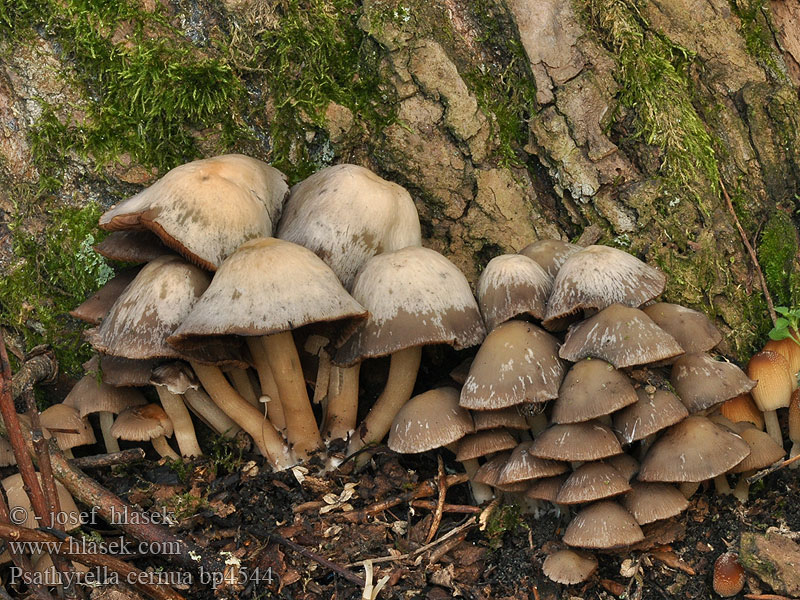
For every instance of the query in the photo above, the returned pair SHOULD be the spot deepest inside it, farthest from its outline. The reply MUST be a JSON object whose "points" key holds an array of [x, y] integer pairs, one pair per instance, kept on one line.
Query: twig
{"points": [[468, 509], [765, 597], [751, 252], [65, 546], [769, 470], [445, 547], [98, 461], [40, 366], [441, 482], [426, 488]]}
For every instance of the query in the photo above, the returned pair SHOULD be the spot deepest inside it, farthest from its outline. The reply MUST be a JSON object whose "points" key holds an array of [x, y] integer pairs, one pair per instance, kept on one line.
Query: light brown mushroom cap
{"points": [[489, 472], [546, 488], [625, 464], [415, 297], [142, 424], [96, 307], [518, 362], [510, 418], [652, 413], [132, 246], [150, 309], [207, 208], [234, 304], [430, 420], [484, 443], [569, 567], [346, 214], [701, 382], [774, 382], [592, 388], [763, 449], [120, 372], [605, 525], [693, 330], [550, 254], [522, 466], [511, 285], [589, 440], [694, 450], [742, 408], [15, 492], [649, 502], [176, 376], [61, 416], [90, 396], [592, 481], [621, 335], [599, 276], [789, 349]]}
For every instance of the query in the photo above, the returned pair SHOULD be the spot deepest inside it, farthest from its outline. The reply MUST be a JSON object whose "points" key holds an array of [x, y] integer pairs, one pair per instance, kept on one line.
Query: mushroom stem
{"points": [[403, 370], [301, 426], [794, 427], [267, 380], [163, 448], [742, 490], [772, 426], [244, 414], [721, 485], [182, 425], [241, 383], [106, 421], [480, 491], [210, 413], [342, 412]]}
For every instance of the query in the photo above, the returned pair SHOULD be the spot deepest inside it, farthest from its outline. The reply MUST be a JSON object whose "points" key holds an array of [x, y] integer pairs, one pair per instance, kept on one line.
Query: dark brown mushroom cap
{"points": [[489, 472], [346, 214], [415, 297], [484, 443], [693, 330], [207, 208], [592, 388], [509, 418], [511, 285], [589, 440], [729, 576], [304, 290], [61, 416], [430, 420], [90, 396], [693, 450], [764, 451], [605, 525], [176, 376], [701, 382], [132, 246], [592, 481], [518, 362], [142, 424], [649, 502], [550, 254], [96, 307], [621, 335], [652, 413], [522, 466], [569, 567], [150, 309], [546, 488], [599, 276], [120, 372]]}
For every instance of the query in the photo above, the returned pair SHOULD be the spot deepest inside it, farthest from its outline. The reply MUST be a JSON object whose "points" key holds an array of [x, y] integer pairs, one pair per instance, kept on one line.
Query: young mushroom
{"points": [[774, 387], [146, 423], [512, 285], [66, 425]]}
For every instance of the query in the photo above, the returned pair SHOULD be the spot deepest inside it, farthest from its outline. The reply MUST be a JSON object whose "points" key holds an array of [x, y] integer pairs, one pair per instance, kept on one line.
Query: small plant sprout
{"points": [[787, 325]]}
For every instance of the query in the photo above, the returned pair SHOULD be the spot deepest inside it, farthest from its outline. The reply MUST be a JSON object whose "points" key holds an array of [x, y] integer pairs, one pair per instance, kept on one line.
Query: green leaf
{"points": [[778, 334]]}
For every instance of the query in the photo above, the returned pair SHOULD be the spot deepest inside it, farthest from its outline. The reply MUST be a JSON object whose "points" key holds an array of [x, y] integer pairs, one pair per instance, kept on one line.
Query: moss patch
{"points": [[777, 253], [757, 37]]}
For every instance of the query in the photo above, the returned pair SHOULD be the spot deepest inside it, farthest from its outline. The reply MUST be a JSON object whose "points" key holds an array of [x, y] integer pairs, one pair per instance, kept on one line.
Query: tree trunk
{"points": [[507, 121]]}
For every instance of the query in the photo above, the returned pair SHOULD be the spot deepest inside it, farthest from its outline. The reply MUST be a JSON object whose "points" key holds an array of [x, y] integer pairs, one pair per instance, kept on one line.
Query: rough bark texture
{"points": [[508, 122]]}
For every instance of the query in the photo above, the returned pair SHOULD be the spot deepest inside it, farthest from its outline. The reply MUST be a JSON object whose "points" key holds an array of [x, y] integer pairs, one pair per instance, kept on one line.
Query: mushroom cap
{"points": [[207, 208], [620, 335], [150, 309], [625, 464], [701, 382], [775, 383], [652, 413], [589, 440], [346, 214], [569, 567], [7, 457], [599, 276], [90, 396], [96, 307], [729, 577], [694, 450], [15, 492], [592, 481], [511, 285], [787, 348], [430, 420], [546, 488], [604, 524], [522, 466], [484, 443], [489, 472], [132, 246], [550, 254], [742, 408], [649, 502], [693, 330], [592, 388], [61, 416], [518, 362], [764, 451], [509, 418], [415, 297], [120, 372], [234, 304], [176, 376], [142, 424]]}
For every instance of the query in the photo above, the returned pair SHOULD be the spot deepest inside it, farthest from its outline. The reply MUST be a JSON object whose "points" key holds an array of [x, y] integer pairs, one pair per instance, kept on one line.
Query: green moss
{"points": [[757, 37], [505, 518], [56, 271], [777, 254]]}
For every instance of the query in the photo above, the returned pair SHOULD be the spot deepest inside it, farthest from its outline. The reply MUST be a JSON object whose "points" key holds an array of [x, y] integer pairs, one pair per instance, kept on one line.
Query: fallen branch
{"points": [[441, 485], [21, 560], [467, 509], [40, 366], [98, 461], [769, 470], [425, 489]]}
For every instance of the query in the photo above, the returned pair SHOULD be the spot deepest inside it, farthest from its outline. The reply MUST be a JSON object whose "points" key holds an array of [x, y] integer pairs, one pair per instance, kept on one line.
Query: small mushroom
{"points": [[764, 451], [702, 382], [592, 481], [512, 285], [729, 576], [584, 441], [146, 423], [774, 387], [692, 329], [66, 425], [550, 254], [652, 413], [742, 408], [96, 307], [603, 525], [592, 388], [132, 246], [649, 502], [569, 566]]}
